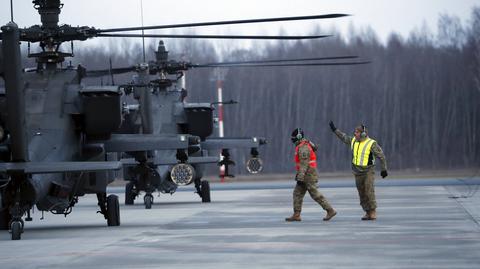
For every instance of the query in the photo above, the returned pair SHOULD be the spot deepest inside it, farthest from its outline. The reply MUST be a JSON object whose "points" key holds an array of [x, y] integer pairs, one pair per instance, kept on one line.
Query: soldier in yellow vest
{"points": [[364, 151], [306, 177]]}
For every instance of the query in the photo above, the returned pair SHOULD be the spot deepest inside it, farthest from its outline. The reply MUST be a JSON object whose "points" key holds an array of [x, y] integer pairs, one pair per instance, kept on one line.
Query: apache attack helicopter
{"points": [[165, 111], [161, 109], [57, 134]]}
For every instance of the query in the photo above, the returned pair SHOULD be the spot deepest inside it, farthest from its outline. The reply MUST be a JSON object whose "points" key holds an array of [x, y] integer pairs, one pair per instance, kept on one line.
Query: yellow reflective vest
{"points": [[361, 152]]}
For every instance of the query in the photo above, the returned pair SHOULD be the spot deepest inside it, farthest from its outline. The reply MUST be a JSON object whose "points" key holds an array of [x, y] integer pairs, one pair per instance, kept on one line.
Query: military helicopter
{"points": [[58, 134], [165, 111]]}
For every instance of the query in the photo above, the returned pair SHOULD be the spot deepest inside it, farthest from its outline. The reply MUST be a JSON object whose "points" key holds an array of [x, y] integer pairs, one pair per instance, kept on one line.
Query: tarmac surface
{"points": [[421, 224]]}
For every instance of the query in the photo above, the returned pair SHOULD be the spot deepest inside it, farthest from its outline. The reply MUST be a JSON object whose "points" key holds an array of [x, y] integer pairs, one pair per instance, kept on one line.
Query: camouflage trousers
{"points": [[299, 192], [366, 190]]}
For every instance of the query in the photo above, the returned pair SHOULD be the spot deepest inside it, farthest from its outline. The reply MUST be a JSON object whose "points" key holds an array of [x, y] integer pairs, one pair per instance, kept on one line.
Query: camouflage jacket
{"points": [[305, 173], [376, 150]]}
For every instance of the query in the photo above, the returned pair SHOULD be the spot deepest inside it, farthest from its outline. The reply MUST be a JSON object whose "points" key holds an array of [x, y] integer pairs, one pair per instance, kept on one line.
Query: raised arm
{"points": [[342, 136]]}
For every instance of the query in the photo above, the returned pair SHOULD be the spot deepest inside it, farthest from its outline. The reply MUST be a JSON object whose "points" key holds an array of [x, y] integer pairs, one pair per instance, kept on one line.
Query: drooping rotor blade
{"points": [[279, 65], [216, 36], [113, 71], [287, 60], [170, 26]]}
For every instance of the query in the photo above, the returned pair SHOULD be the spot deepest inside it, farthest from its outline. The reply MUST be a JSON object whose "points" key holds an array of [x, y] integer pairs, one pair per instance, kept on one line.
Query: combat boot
{"points": [[366, 216], [330, 214], [372, 215], [294, 217]]}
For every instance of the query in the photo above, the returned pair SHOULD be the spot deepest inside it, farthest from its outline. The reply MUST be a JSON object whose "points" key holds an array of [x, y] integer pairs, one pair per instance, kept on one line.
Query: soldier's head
{"points": [[297, 135], [360, 132]]}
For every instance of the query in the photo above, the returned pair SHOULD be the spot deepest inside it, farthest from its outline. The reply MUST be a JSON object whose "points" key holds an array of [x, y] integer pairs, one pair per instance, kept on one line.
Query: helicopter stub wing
{"points": [[173, 161], [58, 167], [228, 142], [144, 142]]}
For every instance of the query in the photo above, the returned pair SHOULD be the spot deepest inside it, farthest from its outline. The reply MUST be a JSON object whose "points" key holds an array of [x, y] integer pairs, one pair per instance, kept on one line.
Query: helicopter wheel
{"points": [[148, 200], [17, 228], [205, 191], [129, 195], [113, 210]]}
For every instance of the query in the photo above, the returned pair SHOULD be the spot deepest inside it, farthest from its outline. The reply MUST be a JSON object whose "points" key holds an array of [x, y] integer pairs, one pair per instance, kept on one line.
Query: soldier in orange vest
{"points": [[306, 177]]}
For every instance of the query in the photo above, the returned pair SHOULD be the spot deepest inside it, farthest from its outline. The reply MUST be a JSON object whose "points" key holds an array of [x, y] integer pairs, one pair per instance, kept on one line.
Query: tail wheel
{"points": [[113, 210], [148, 200], [129, 195], [205, 191], [16, 228]]}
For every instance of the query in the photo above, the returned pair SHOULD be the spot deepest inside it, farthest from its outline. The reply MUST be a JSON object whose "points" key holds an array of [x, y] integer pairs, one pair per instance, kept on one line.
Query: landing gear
{"points": [[148, 200], [129, 193], [17, 229], [204, 191], [16, 224], [113, 210], [109, 208]]}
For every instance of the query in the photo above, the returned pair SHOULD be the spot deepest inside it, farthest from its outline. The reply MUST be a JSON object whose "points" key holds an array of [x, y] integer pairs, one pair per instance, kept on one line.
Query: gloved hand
{"points": [[332, 126], [384, 174]]}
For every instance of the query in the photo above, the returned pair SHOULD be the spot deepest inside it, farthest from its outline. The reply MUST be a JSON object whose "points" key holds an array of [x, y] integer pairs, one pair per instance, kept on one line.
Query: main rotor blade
{"points": [[286, 60], [105, 72], [279, 65], [216, 36], [170, 26]]}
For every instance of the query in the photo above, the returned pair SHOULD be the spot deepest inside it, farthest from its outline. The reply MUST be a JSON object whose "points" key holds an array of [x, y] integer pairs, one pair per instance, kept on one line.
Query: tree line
{"points": [[419, 96]]}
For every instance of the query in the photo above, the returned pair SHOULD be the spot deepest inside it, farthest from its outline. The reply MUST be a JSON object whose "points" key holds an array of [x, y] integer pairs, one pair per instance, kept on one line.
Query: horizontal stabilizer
{"points": [[58, 167], [227, 142], [144, 142]]}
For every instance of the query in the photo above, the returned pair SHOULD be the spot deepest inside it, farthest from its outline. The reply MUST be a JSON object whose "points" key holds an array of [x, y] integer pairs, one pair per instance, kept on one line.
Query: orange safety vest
{"points": [[313, 158]]}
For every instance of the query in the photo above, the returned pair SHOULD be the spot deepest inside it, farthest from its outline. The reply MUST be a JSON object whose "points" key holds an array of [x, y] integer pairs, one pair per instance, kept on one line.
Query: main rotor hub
{"points": [[161, 54], [49, 11]]}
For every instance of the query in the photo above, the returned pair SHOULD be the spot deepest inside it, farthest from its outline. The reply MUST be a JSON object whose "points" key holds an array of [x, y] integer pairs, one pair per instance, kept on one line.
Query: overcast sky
{"points": [[384, 16]]}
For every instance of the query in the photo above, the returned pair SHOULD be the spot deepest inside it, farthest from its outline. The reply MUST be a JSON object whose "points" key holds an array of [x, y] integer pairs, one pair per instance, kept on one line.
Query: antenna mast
{"points": [[11, 10], [143, 37]]}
